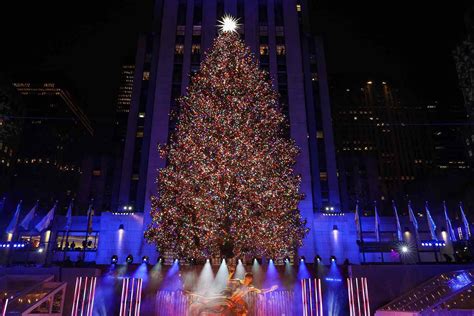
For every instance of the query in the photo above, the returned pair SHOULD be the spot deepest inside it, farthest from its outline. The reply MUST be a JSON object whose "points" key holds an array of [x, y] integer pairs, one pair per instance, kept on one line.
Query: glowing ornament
{"points": [[228, 24]]}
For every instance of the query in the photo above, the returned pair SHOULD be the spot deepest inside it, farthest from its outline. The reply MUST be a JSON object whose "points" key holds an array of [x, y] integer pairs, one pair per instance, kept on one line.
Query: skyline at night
{"points": [[410, 45], [237, 158]]}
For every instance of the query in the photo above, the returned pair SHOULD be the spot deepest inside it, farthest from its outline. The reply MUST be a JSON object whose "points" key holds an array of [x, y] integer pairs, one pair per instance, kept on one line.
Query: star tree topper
{"points": [[228, 24]]}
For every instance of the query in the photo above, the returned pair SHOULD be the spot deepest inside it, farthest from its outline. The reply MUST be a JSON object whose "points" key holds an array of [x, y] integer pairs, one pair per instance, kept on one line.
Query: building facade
{"points": [[101, 166], [382, 144], [49, 157], [100, 238], [278, 33], [11, 107], [123, 101], [464, 58]]}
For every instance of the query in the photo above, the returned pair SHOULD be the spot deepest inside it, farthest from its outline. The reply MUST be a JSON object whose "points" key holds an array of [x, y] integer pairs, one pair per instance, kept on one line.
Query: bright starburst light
{"points": [[228, 24]]}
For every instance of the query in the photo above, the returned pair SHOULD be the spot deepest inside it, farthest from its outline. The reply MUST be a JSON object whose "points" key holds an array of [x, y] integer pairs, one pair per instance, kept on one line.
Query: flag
{"points": [[46, 221], [431, 223], [465, 222], [377, 222], [90, 214], [399, 227], [449, 226], [357, 222], [25, 223], [413, 219], [14, 221], [69, 216]]}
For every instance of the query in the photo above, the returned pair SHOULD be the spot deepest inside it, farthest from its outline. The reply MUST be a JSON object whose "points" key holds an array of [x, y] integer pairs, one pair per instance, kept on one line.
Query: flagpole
{"points": [[465, 222], [67, 228], [432, 227], [12, 227], [449, 225], [450, 230], [415, 225], [377, 229], [397, 218], [89, 218], [358, 222], [28, 229], [49, 249]]}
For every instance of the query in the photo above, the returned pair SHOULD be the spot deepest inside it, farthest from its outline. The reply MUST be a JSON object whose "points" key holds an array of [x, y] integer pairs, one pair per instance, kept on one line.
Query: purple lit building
{"points": [[278, 32]]}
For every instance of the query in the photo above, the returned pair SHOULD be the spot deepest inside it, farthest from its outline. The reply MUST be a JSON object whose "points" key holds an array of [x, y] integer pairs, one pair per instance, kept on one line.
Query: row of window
{"points": [[357, 148], [196, 50], [262, 11], [280, 50], [76, 241], [65, 241]]}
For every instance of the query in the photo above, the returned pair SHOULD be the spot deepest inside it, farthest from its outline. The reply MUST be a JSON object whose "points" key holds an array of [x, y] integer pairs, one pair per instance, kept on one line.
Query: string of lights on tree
{"points": [[229, 188]]}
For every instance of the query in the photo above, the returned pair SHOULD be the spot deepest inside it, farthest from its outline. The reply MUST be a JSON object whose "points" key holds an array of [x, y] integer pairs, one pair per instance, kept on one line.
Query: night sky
{"points": [[408, 43]]}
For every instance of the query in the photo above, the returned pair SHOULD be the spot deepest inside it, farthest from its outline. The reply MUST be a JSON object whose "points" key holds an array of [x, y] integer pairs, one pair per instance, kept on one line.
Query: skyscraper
{"points": [[278, 33], [101, 165], [382, 145], [123, 102], [51, 148], [447, 127], [464, 58], [11, 107]]}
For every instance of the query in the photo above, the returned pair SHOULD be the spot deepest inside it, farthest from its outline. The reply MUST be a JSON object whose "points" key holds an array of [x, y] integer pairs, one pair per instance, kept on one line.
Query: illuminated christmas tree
{"points": [[229, 188]]}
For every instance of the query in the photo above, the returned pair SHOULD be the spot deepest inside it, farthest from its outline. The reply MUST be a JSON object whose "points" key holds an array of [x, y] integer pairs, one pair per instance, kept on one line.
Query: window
{"points": [[298, 7], [179, 49], [146, 75], [182, 12], [76, 241], [33, 240], [281, 50], [196, 49], [278, 13], [197, 30], [263, 49], [180, 30], [280, 31], [177, 73], [196, 39], [96, 173], [197, 14], [282, 78], [262, 12]]}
